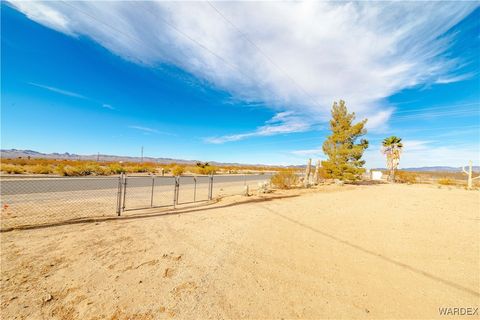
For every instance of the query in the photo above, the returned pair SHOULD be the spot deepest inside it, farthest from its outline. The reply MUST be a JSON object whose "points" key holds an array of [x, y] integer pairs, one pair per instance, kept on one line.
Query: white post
{"points": [[308, 170], [316, 176], [469, 175]]}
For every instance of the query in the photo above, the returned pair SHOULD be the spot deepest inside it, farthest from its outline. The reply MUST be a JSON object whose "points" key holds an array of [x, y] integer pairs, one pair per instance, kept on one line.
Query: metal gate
{"points": [[144, 192]]}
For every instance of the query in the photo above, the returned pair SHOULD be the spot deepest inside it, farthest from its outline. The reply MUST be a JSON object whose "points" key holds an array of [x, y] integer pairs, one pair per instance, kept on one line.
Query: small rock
{"points": [[47, 297], [168, 273], [161, 309]]}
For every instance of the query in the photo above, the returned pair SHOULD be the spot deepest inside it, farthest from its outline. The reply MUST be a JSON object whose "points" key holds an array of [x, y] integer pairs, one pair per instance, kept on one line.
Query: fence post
{"points": [[151, 196], [194, 188], [210, 188], [124, 190], [119, 195], [175, 192]]}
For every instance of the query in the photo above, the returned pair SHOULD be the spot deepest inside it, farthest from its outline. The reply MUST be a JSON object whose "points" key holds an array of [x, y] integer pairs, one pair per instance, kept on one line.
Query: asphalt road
{"points": [[45, 185]]}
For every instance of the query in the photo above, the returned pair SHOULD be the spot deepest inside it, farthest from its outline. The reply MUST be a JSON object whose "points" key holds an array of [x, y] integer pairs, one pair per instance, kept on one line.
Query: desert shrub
{"points": [[178, 170], [207, 170], [75, 171], [103, 171], [69, 171], [96, 169], [115, 168], [285, 179], [139, 169], [40, 169], [406, 177], [9, 168], [446, 182]]}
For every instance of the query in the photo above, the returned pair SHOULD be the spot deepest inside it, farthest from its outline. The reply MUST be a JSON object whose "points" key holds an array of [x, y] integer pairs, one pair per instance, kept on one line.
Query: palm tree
{"points": [[392, 148]]}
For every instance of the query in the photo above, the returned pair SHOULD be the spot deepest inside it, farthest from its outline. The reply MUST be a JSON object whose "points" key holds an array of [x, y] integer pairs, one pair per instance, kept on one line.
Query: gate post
{"points": [[210, 187], [194, 188], [119, 195], [175, 192], [151, 196], [124, 190]]}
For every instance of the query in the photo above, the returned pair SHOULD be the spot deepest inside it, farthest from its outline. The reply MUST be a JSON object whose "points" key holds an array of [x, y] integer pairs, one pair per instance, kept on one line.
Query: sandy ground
{"points": [[379, 251]]}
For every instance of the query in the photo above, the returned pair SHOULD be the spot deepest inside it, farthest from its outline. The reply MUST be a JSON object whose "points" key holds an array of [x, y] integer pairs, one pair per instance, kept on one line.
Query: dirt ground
{"points": [[377, 251]]}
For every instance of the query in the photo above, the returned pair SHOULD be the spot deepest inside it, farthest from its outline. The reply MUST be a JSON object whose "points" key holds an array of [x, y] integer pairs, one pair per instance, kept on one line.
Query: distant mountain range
{"points": [[14, 153]]}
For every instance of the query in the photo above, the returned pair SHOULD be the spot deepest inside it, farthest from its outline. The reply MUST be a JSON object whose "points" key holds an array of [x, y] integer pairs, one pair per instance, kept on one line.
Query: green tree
{"points": [[392, 148], [344, 154]]}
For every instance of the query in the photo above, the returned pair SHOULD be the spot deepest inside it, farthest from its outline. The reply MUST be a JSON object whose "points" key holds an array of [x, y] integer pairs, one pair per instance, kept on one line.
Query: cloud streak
{"points": [[57, 90], [294, 56], [107, 106], [281, 123], [148, 130]]}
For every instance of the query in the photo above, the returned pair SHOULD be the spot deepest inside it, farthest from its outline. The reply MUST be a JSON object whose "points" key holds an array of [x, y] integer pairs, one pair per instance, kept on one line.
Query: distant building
{"points": [[376, 175]]}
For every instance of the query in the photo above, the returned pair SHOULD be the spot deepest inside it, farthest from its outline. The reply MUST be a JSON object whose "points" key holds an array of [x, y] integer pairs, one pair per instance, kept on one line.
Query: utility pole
{"points": [[142, 155], [98, 156]]}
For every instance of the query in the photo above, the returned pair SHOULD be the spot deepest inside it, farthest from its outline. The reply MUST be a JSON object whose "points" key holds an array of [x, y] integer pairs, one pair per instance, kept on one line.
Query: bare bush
{"points": [[446, 182], [178, 170], [285, 179], [406, 177]]}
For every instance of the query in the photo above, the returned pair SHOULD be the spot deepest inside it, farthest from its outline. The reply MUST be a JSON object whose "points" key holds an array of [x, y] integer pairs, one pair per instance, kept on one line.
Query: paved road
{"points": [[44, 185]]}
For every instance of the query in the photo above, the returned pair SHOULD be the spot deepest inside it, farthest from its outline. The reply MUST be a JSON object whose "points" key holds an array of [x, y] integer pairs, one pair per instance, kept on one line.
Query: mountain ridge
{"points": [[16, 153]]}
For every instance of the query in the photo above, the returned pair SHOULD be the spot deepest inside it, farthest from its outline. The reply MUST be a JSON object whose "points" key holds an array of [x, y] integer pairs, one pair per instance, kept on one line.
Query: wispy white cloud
{"points": [[455, 78], [281, 123], [144, 129], [361, 52], [57, 90], [148, 130], [107, 106], [309, 152], [415, 145], [426, 153]]}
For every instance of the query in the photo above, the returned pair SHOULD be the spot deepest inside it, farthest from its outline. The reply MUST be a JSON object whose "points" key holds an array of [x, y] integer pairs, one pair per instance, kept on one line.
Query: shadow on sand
{"points": [[143, 215]]}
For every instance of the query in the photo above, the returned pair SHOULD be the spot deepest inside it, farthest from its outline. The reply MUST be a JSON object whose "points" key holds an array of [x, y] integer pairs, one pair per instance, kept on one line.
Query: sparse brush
{"points": [[70, 171], [207, 170], [39, 169], [406, 177], [9, 168], [115, 168], [446, 182], [285, 179], [178, 170]]}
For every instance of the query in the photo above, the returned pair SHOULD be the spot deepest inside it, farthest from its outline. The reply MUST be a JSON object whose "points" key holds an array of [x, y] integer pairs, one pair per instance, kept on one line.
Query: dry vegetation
{"points": [[406, 177], [285, 179], [102, 168]]}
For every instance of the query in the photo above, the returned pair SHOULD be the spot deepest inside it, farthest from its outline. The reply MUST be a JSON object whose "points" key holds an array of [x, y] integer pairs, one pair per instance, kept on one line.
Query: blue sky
{"points": [[240, 82]]}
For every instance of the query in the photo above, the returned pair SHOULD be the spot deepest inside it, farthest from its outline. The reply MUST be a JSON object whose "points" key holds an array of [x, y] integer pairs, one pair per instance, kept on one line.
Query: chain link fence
{"points": [[32, 201]]}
